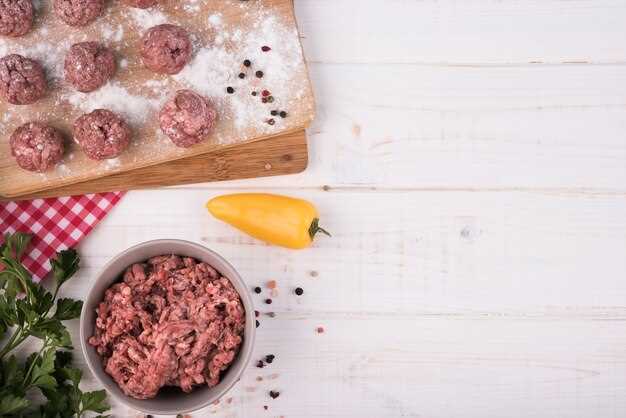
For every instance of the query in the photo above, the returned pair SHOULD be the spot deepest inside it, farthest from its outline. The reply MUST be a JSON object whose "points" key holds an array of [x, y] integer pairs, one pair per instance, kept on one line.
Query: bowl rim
{"points": [[243, 357]]}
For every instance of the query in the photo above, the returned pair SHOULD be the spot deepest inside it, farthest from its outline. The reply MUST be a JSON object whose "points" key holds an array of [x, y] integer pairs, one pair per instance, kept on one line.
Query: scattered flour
{"points": [[215, 67], [144, 19], [215, 20], [192, 6], [112, 34], [116, 98]]}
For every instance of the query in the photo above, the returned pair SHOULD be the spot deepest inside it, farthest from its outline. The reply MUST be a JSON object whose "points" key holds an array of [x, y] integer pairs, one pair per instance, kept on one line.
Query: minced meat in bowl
{"points": [[169, 324]]}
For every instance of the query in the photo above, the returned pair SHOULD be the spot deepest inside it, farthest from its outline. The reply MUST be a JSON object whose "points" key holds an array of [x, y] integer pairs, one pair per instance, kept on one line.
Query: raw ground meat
{"points": [[187, 119], [101, 134], [36, 146], [172, 321], [22, 80], [16, 17], [88, 65], [166, 49], [78, 12], [142, 4]]}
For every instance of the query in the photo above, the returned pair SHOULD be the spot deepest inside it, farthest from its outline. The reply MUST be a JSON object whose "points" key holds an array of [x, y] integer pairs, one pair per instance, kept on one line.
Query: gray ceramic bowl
{"points": [[166, 402]]}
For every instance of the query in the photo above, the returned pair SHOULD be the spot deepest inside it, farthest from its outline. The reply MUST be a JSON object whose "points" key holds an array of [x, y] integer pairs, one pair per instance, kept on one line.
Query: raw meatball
{"points": [[78, 12], [187, 119], [142, 4], [88, 65], [22, 80], [166, 49], [101, 134], [36, 146], [16, 17]]}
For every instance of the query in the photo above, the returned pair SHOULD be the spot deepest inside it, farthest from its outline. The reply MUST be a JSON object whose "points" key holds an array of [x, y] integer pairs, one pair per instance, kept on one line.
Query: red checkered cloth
{"points": [[56, 224]]}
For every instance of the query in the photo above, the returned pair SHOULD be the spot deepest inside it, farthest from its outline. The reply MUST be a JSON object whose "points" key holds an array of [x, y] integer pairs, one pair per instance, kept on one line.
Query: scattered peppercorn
{"points": [[274, 112], [283, 114], [274, 394], [320, 330], [254, 93], [247, 63], [270, 99], [299, 291], [242, 75], [265, 93], [260, 364], [257, 323], [265, 407], [256, 314], [271, 122], [257, 290], [268, 301], [270, 358], [149, 416], [265, 48], [264, 100], [230, 90], [259, 74]]}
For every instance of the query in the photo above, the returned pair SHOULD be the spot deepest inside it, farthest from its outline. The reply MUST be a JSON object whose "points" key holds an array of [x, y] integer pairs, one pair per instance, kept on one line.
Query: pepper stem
{"points": [[315, 228]]}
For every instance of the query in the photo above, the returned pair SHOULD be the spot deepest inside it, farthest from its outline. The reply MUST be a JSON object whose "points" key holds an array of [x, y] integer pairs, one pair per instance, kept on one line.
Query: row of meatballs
{"points": [[165, 49], [186, 119], [17, 16]]}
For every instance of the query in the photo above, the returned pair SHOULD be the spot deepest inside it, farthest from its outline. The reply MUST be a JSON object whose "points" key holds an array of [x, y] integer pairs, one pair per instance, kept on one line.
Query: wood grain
{"points": [[242, 117], [285, 154]]}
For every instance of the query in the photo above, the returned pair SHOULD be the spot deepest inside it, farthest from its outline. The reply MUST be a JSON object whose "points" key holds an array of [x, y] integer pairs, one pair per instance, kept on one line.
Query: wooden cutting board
{"points": [[285, 154], [224, 34]]}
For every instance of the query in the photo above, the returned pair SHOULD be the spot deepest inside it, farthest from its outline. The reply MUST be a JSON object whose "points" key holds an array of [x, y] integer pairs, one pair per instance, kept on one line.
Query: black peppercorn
{"points": [[274, 112], [257, 290], [230, 90], [260, 364], [283, 114], [259, 74], [242, 75], [257, 323], [274, 394], [271, 122], [268, 301], [299, 291], [254, 93], [270, 358]]}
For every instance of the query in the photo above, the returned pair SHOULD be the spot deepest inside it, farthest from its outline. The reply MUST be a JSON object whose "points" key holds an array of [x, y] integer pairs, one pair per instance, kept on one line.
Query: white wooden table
{"points": [[469, 157]]}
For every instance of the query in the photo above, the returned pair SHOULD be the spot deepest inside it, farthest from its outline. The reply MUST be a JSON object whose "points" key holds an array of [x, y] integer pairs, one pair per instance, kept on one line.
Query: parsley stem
{"points": [[32, 365], [15, 340]]}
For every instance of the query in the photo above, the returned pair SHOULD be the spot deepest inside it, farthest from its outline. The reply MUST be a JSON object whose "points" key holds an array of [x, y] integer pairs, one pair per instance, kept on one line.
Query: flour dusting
{"points": [[144, 19], [136, 109]]}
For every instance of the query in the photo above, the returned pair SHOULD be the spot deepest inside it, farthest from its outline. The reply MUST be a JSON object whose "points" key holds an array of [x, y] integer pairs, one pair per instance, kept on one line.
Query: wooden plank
{"points": [[473, 32], [224, 33], [286, 154]]}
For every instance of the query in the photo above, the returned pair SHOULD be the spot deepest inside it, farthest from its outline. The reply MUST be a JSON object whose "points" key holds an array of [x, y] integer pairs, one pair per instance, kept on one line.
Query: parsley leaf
{"points": [[11, 404], [64, 266], [25, 311], [68, 309]]}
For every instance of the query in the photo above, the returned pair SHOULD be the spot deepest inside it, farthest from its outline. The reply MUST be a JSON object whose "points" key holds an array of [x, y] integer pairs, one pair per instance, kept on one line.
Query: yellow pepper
{"points": [[280, 220]]}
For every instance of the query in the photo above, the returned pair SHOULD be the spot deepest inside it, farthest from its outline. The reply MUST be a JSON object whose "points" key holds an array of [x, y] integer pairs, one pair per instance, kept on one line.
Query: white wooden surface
{"points": [[470, 158]]}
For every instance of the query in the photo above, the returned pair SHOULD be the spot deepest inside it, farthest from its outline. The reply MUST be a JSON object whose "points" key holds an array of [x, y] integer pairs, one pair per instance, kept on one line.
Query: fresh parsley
{"points": [[27, 309]]}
